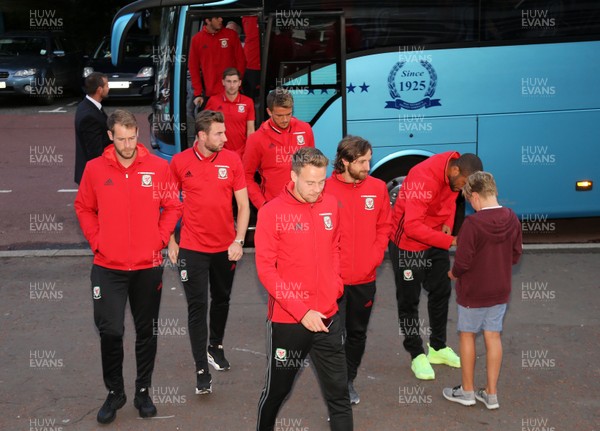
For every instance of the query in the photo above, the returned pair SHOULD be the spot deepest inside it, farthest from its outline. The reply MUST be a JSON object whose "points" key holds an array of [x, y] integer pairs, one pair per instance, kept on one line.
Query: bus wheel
{"points": [[393, 174]]}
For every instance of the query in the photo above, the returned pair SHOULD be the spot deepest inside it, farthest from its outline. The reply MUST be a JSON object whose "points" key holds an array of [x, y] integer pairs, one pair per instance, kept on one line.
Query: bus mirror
{"points": [[120, 27]]}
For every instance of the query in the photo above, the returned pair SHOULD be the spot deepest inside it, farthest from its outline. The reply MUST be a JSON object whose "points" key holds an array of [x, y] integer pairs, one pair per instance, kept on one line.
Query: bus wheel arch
{"points": [[394, 171]]}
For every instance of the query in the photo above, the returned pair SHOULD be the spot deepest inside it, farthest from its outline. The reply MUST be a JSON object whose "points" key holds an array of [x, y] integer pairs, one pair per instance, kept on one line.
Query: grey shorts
{"points": [[478, 319]]}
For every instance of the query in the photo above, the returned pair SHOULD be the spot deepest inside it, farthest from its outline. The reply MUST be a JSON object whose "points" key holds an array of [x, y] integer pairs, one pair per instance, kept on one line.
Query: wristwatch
{"points": [[239, 241]]}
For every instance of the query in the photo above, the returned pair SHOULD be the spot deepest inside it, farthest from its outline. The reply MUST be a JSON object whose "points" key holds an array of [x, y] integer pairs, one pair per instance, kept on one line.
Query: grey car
{"points": [[38, 65]]}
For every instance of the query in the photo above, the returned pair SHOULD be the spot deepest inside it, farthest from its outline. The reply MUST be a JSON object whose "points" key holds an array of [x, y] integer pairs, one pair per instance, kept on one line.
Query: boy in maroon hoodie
{"points": [[489, 243]]}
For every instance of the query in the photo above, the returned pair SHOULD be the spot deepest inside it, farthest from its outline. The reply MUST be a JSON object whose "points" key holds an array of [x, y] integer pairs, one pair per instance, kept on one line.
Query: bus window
{"points": [[511, 20], [511, 80], [304, 58]]}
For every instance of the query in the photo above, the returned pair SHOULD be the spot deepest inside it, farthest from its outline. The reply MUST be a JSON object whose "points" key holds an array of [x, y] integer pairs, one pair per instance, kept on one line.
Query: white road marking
{"points": [[5, 191], [158, 417], [58, 110], [67, 190], [249, 351]]}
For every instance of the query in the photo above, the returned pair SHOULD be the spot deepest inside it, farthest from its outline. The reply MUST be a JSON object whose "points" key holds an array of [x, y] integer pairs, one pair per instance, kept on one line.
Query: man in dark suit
{"points": [[90, 123]]}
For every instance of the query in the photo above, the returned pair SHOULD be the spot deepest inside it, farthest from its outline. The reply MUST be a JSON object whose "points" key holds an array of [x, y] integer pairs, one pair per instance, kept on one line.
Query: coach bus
{"points": [[514, 81]]}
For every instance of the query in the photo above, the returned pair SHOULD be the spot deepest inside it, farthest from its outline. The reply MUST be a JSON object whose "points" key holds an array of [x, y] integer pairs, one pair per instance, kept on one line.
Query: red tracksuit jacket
{"points": [[269, 150], [208, 185], [365, 224], [252, 42], [212, 53], [298, 256], [119, 209], [425, 202]]}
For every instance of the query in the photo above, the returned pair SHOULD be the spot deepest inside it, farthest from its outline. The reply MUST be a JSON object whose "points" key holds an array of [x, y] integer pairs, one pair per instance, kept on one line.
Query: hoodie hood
{"points": [[110, 155], [287, 194], [497, 223], [339, 178]]}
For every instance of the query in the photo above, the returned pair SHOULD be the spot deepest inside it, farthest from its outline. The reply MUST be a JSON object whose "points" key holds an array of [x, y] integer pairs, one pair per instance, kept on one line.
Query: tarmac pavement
{"points": [[51, 375]]}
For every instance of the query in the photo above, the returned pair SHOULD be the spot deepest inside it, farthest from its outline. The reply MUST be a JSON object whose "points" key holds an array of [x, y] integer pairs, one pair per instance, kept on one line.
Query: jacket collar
{"points": [[340, 178], [288, 195], [270, 125], [110, 155]]}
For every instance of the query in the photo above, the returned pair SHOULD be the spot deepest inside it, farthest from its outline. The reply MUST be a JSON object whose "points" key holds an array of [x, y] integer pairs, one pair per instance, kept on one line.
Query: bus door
{"points": [[171, 125], [194, 23], [305, 52]]}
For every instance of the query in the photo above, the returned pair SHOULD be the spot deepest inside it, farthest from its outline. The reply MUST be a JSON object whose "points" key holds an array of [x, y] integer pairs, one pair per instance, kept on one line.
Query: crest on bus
{"points": [[412, 85]]}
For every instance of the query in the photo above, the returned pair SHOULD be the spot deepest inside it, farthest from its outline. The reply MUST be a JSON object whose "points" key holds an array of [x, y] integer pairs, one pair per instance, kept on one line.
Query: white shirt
{"points": [[98, 105]]}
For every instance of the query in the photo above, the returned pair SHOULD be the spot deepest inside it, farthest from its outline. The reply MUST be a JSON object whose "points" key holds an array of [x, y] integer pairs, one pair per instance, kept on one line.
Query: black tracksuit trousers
{"points": [[110, 290], [427, 269], [288, 345]]}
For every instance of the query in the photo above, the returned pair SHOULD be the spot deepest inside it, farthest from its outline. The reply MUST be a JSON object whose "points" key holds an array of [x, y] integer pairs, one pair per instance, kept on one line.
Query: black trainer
{"points": [[216, 358], [108, 411], [203, 382], [144, 404], [354, 398]]}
